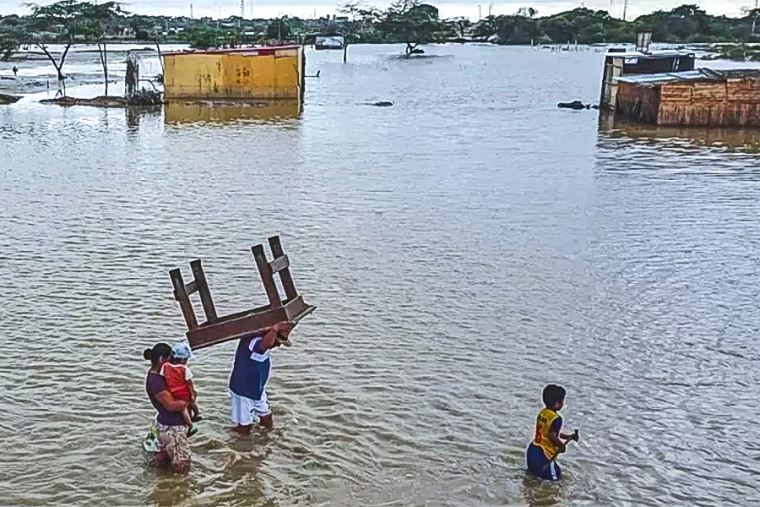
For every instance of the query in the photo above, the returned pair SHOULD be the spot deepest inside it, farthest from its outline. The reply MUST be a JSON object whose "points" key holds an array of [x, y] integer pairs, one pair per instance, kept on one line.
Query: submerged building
{"points": [[621, 63], [702, 97], [663, 88], [259, 73]]}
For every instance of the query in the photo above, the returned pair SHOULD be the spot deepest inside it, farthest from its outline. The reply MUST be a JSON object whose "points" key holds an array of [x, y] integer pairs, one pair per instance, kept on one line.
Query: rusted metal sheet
{"points": [[710, 92], [638, 103], [743, 91], [258, 320], [700, 98], [726, 114], [676, 92]]}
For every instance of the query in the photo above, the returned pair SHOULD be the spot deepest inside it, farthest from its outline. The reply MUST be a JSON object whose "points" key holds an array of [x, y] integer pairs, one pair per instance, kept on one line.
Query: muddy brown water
{"points": [[465, 247]]}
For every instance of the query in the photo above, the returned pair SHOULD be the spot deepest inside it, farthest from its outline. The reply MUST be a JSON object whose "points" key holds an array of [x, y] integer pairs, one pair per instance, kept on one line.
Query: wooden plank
{"points": [[247, 324], [203, 290], [285, 276], [192, 287], [279, 264], [266, 276], [184, 301]]}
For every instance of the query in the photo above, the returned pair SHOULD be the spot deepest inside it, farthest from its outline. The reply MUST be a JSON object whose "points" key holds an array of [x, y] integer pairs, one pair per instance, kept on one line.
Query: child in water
{"points": [[179, 380], [547, 443]]}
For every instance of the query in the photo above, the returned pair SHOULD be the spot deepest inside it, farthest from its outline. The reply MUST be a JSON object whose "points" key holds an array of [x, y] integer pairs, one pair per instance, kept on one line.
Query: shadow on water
{"points": [[207, 112], [728, 139]]}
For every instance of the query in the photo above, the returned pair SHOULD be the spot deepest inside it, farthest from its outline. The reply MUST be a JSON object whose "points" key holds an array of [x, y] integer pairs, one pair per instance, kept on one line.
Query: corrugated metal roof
{"points": [[697, 75], [666, 53]]}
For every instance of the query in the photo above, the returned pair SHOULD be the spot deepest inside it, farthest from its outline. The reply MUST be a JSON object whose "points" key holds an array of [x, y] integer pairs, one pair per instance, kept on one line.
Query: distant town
{"points": [[409, 21]]}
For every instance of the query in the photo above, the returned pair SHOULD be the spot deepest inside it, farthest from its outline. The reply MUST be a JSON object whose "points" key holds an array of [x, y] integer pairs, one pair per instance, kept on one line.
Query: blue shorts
{"points": [[541, 466]]}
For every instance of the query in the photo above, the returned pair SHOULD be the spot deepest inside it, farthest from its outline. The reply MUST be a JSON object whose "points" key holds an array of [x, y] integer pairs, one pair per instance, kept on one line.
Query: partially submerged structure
{"points": [[218, 329], [263, 73], [702, 97], [621, 63]]}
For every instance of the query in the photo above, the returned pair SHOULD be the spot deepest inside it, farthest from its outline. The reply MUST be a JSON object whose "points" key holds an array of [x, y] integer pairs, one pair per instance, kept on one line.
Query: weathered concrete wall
{"points": [[255, 73]]}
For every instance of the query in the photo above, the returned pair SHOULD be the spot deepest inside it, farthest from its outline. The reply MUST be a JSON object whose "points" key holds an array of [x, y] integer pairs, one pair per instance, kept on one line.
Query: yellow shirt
{"points": [[544, 422]]}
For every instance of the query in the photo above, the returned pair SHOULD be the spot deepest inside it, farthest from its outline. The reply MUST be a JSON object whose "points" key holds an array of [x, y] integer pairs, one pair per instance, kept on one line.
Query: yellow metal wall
{"points": [[233, 75]]}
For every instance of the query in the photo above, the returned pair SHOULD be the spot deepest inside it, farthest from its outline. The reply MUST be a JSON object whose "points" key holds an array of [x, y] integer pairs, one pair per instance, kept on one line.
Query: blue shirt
{"points": [[250, 371]]}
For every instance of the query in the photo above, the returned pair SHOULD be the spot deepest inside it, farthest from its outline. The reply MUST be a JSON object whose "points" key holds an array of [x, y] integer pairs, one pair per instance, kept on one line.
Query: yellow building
{"points": [[248, 73]]}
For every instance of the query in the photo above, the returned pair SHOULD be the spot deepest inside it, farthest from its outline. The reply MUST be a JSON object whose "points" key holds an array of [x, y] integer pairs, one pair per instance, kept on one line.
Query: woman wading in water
{"points": [[173, 443]]}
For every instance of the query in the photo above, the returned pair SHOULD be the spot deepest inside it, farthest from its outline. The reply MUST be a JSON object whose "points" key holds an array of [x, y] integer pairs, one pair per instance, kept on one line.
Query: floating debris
{"points": [[576, 105], [8, 99]]}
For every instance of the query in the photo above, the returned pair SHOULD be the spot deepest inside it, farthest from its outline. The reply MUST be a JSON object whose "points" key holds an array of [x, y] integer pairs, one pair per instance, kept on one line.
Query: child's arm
{"points": [[556, 437], [189, 382]]}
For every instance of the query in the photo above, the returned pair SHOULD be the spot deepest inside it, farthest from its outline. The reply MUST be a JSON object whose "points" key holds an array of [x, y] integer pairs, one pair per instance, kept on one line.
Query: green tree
{"points": [[69, 22], [486, 28], [359, 17], [460, 26], [205, 37], [9, 43], [413, 23], [101, 19], [279, 29]]}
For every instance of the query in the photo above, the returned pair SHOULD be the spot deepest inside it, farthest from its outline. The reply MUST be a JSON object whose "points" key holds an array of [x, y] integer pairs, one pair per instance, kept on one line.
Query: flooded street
{"points": [[464, 248]]}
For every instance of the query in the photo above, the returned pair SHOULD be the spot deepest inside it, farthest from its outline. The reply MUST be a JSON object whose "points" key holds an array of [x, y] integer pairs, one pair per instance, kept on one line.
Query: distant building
{"points": [[328, 42]]}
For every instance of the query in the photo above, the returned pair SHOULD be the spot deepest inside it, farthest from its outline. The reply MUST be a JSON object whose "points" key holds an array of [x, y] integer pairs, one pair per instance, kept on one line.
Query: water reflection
{"points": [[135, 115], [733, 139], [220, 111]]}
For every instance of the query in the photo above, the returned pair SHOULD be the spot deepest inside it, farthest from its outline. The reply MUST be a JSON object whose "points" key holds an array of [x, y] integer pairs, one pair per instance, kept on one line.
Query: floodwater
{"points": [[465, 247]]}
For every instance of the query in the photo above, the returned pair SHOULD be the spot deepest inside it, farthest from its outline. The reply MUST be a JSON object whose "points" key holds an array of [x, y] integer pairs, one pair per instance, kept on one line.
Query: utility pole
{"points": [[191, 11], [242, 9], [754, 18], [480, 12], [625, 9]]}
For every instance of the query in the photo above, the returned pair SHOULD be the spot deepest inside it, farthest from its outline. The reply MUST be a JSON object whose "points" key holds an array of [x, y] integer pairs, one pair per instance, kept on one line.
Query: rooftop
{"points": [[253, 50], [669, 53], [697, 75]]}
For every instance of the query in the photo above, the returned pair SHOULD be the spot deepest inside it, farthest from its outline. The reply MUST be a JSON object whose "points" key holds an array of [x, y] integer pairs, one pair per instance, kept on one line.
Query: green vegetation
{"points": [[684, 24], [205, 37], [279, 29], [69, 22], [9, 43], [738, 52], [411, 22], [357, 18]]}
